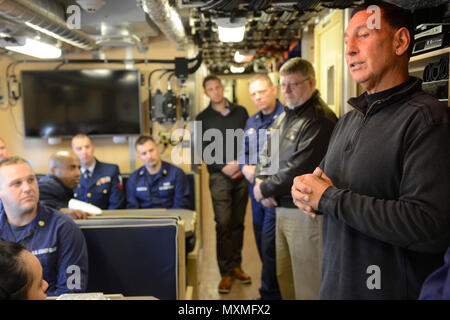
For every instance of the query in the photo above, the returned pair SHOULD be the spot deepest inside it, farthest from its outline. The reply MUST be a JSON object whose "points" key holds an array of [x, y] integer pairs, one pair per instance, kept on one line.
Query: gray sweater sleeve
{"points": [[419, 218]]}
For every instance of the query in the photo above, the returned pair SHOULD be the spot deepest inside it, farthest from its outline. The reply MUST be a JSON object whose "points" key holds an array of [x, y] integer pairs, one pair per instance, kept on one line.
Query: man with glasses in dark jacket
{"points": [[304, 130]]}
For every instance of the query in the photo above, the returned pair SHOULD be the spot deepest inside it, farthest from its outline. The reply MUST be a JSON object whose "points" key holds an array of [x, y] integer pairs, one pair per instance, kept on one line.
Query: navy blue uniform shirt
{"points": [[59, 245], [254, 139], [169, 188], [104, 188]]}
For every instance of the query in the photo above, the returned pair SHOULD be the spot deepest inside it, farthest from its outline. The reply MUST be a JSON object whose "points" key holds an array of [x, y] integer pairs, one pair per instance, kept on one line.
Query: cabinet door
{"points": [[418, 64], [329, 59]]}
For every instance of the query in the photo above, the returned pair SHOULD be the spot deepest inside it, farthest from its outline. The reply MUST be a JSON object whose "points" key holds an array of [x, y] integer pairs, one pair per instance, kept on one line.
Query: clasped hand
{"points": [[269, 202], [307, 190]]}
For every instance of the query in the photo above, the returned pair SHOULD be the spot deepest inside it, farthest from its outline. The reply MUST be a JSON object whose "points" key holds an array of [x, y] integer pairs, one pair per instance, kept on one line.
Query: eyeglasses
{"points": [[291, 85]]}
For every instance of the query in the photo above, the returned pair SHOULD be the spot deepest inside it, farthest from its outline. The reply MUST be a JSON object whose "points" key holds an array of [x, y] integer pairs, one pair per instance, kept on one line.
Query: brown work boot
{"points": [[225, 284], [239, 274]]}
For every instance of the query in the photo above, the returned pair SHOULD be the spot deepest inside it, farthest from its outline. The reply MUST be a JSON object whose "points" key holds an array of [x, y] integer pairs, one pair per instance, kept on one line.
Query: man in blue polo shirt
{"points": [[263, 94], [50, 235], [157, 184], [100, 182]]}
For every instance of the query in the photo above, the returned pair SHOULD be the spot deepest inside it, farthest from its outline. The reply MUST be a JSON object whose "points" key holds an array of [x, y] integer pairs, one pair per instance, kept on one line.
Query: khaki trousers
{"points": [[298, 254]]}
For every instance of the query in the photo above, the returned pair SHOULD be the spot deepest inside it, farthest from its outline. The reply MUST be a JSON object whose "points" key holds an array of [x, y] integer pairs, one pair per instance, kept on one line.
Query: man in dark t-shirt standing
{"points": [[221, 127]]}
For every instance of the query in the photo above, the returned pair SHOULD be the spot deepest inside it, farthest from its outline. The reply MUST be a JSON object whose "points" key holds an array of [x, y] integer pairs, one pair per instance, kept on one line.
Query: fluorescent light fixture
{"points": [[51, 34], [235, 69], [238, 57], [37, 49], [244, 56], [231, 31]]}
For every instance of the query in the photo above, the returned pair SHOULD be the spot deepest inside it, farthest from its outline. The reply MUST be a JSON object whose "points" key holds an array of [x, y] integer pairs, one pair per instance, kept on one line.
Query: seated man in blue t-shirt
{"points": [[51, 236], [157, 184]]}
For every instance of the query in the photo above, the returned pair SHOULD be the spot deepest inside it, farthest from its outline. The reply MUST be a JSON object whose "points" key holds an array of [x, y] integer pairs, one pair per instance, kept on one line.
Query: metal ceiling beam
{"points": [[37, 17]]}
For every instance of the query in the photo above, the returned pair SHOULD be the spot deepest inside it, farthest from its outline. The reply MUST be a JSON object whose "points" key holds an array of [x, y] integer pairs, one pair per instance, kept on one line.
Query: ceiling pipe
{"points": [[167, 19], [37, 17]]}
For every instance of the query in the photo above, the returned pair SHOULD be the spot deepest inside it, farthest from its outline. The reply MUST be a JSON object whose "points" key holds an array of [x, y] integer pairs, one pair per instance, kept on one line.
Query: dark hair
{"points": [[14, 278], [143, 139], [298, 65], [395, 16], [209, 78]]}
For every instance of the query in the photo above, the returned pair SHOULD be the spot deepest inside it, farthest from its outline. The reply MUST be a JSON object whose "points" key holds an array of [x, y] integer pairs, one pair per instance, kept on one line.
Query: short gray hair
{"points": [[261, 77], [12, 160], [298, 65]]}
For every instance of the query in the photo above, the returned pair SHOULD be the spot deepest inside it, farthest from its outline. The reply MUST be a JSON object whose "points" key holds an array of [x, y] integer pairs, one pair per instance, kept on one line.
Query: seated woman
{"points": [[20, 274]]}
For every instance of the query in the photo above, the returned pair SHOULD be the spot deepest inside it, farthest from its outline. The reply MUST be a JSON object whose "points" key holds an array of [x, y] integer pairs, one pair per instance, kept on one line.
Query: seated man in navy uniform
{"points": [[51, 236], [100, 183], [157, 184], [56, 188]]}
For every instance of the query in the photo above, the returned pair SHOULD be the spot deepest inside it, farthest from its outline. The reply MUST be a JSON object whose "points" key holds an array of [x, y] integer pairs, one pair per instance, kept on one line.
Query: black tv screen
{"points": [[100, 102]]}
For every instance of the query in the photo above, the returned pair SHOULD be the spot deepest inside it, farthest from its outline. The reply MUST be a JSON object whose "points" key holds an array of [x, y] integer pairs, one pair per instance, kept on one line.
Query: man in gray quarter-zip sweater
{"points": [[383, 185]]}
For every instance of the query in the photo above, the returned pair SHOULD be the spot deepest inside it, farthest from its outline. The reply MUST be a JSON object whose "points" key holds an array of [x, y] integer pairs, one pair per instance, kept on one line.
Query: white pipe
{"points": [[167, 19]]}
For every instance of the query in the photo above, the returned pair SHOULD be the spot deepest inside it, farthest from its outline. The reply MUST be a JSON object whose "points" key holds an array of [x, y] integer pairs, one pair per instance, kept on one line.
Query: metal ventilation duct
{"points": [[167, 19], [36, 15]]}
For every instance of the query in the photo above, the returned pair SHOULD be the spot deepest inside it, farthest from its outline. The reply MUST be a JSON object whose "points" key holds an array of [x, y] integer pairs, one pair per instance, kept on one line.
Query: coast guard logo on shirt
{"points": [[166, 186], [43, 251]]}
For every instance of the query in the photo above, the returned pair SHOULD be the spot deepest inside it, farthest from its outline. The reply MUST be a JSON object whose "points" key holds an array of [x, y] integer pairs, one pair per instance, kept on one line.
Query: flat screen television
{"points": [[98, 102]]}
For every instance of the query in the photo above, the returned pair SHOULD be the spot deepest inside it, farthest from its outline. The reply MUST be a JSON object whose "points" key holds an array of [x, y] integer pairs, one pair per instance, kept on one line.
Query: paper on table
{"points": [[84, 206], [82, 296]]}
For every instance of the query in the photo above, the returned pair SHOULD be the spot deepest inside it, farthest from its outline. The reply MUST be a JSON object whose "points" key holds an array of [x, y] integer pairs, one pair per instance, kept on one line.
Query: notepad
{"points": [[84, 206]]}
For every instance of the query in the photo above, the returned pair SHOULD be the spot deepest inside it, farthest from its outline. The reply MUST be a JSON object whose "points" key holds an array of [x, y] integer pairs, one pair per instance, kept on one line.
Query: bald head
{"points": [[65, 165]]}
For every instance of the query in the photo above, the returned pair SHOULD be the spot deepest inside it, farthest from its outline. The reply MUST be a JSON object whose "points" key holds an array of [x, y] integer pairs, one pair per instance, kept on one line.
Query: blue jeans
{"points": [[264, 220]]}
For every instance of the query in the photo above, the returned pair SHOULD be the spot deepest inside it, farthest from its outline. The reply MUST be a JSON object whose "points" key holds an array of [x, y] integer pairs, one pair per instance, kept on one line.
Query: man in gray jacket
{"points": [[304, 130]]}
